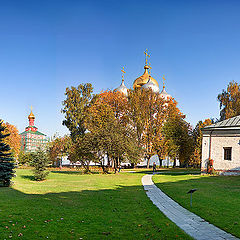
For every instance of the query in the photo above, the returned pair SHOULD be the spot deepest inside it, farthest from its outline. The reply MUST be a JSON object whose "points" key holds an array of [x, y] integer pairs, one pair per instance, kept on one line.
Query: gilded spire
{"points": [[31, 115], [146, 57], [123, 74], [164, 81]]}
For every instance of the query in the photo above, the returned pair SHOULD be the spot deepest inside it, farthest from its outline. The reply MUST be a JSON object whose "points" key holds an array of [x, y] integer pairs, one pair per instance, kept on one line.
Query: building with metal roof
{"points": [[221, 146]]}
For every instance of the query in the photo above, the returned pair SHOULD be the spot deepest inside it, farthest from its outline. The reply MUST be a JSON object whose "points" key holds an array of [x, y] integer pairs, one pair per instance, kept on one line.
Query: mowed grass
{"points": [[69, 205], [217, 198]]}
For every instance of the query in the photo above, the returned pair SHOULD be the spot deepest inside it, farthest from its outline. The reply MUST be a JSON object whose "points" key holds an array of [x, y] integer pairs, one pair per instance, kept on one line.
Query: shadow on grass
{"points": [[75, 172], [169, 171], [29, 177]]}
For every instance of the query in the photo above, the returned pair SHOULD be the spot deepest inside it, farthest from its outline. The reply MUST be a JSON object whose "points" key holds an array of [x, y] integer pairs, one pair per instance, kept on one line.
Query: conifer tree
{"points": [[6, 160]]}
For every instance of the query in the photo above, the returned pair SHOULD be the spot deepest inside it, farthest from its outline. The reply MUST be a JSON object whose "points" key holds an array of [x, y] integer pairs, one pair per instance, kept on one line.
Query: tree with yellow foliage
{"points": [[13, 139], [230, 101]]}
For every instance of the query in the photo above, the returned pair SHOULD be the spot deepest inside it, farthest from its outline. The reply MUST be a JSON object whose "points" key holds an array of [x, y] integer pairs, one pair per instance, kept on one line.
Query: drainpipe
{"points": [[210, 144]]}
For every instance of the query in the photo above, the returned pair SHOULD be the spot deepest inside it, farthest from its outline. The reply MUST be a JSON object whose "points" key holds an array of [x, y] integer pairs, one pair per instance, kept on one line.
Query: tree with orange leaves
{"points": [[13, 140], [109, 136], [230, 101], [195, 159], [119, 104], [148, 114]]}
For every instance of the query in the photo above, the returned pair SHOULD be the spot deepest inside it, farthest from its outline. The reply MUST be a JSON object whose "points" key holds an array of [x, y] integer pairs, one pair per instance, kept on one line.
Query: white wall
{"points": [[217, 152]]}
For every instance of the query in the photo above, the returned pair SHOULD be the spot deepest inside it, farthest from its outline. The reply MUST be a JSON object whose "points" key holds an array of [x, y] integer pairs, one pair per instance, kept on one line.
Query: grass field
{"points": [[69, 205], [217, 198]]}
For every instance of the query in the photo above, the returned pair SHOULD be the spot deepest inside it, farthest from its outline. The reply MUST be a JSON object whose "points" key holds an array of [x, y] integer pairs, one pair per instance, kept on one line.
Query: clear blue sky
{"points": [[46, 46]]}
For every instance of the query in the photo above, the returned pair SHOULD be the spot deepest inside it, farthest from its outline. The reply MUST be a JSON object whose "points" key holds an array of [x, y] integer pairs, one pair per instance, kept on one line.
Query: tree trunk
{"points": [[115, 165], [148, 162], [108, 161], [174, 163], [160, 160], [105, 170]]}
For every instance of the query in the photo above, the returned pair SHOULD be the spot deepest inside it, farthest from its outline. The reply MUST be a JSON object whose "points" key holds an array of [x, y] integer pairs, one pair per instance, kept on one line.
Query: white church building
{"points": [[221, 144]]}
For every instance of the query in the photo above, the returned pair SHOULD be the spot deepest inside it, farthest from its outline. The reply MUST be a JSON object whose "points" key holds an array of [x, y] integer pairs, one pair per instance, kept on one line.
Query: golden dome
{"points": [[31, 115], [139, 82]]}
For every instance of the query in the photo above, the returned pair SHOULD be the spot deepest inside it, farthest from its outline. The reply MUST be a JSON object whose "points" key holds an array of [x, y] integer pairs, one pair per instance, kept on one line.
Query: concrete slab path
{"points": [[190, 223]]}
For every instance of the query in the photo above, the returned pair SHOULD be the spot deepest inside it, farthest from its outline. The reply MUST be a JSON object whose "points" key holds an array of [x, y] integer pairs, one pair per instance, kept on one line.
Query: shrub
{"points": [[40, 162]]}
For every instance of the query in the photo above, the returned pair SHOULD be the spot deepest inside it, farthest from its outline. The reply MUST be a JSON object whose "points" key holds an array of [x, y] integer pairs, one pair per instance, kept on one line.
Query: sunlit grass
{"points": [[217, 198], [69, 205]]}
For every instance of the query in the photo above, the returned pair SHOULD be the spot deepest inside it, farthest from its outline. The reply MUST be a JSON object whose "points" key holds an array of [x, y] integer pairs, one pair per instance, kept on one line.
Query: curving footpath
{"points": [[190, 223]]}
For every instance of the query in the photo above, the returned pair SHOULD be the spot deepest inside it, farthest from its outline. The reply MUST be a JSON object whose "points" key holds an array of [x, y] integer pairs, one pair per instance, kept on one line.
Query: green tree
{"points": [[179, 133], [40, 162], [6, 160], [229, 101], [75, 104], [25, 158]]}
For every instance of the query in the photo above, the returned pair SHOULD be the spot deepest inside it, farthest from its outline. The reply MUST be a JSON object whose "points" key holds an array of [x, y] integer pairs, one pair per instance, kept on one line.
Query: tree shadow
{"points": [[75, 172], [29, 177]]}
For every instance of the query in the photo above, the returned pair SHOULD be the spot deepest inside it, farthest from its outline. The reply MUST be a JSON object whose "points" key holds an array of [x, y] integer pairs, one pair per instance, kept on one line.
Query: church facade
{"points": [[31, 138], [221, 147]]}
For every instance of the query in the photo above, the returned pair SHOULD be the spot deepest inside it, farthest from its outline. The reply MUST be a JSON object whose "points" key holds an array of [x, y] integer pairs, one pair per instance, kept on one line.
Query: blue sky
{"points": [[46, 46]]}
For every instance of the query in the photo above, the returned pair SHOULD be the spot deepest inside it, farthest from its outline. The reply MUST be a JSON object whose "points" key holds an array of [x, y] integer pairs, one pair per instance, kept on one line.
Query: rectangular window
{"points": [[227, 153]]}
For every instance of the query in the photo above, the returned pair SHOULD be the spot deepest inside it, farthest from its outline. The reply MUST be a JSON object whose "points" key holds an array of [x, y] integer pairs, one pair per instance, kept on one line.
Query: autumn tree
{"points": [[148, 114], [13, 139], [143, 107], [119, 104], [229, 101], [195, 159], [111, 139], [6, 160], [163, 144], [58, 147]]}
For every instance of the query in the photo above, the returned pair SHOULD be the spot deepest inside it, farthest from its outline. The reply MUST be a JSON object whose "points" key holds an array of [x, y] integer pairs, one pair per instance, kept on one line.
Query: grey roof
{"points": [[228, 123]]}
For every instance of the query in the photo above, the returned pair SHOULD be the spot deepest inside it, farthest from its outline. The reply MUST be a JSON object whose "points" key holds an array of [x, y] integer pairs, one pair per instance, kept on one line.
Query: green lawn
{"points": [[73, 206], [217, 198]]}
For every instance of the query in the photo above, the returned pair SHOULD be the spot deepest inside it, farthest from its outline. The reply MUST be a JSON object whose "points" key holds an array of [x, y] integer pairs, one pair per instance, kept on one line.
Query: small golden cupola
{"points": [[31, 118], [140, 81]]}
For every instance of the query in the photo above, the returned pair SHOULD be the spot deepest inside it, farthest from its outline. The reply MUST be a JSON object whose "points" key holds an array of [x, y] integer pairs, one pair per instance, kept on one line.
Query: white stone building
{"points": [[221, 143]]}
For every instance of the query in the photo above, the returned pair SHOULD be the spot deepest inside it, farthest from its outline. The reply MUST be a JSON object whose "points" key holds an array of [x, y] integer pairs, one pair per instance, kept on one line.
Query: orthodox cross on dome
{"points": [[146, 57], [164, 79], [122, 70], [150, 68]]}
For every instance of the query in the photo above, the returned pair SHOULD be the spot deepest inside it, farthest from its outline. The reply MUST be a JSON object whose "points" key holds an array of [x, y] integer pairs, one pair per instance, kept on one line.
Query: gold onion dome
{"points": [[139, 82], [151, 85], [31, 115], [122, 88]]}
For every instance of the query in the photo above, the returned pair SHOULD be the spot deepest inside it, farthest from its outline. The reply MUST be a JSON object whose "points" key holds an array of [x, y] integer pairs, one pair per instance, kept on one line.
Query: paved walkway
{"points": [[192, 224]]}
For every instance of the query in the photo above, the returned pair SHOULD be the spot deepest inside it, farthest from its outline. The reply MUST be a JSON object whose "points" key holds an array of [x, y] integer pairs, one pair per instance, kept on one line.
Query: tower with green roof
{"points": [[31, 138]]}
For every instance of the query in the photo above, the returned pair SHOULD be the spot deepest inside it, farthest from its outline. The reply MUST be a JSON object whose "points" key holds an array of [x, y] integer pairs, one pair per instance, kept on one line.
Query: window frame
{"points": [[227, 156]]}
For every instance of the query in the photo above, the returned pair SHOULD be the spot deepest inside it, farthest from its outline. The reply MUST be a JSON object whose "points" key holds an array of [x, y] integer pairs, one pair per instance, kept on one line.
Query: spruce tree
{"points": [[6, 160]]}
